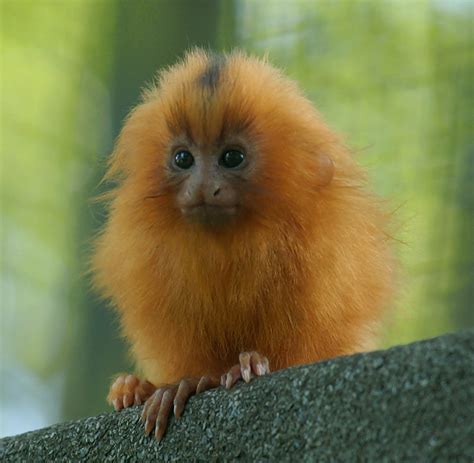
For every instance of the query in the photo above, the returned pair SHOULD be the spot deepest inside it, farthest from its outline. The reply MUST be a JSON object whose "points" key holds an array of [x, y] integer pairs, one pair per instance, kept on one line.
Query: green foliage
{"points": [[397, 82]]}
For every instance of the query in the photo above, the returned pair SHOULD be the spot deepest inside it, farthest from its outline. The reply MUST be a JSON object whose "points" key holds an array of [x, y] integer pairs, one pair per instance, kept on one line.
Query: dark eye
{"points": [[232, 158], [183, 159]]}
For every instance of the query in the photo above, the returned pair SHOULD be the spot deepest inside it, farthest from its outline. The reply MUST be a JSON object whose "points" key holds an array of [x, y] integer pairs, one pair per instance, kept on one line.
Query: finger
{"points": [[119, 382], [186, 388], [163, 414], [115, 391], [118, 404], [147, 405], [245, 369], [149, 401], [130, 385], [207, 382], [144, 390], [257, 364], [232, 376], [151, 409], [137, 398], [266, 364]]}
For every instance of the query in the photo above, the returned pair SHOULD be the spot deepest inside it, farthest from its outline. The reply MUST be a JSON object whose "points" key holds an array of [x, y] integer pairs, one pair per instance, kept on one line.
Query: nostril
{"points": [[217, 191]]}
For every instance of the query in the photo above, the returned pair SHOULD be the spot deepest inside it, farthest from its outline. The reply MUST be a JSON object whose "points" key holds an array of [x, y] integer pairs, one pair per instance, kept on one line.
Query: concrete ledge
{"points": [[407, 403]]}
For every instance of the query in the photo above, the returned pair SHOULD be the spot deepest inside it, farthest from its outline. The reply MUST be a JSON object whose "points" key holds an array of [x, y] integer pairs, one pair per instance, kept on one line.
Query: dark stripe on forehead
{"points": [[211, 75]]}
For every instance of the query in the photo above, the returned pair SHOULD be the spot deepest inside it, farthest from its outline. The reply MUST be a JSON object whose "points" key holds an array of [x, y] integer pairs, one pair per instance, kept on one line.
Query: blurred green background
{"points": [[396, 78]]}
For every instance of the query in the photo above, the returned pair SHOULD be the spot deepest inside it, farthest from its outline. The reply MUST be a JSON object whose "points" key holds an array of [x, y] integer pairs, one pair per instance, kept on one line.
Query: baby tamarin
{"points": [[239, 231]]}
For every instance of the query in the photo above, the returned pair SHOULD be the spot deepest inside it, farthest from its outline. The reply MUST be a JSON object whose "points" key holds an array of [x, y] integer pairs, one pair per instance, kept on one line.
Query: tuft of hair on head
{"points": [[210, 77]]}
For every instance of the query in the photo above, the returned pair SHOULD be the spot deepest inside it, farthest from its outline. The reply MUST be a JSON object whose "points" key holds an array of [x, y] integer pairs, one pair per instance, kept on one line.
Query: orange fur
{"points": [[302, 276]]}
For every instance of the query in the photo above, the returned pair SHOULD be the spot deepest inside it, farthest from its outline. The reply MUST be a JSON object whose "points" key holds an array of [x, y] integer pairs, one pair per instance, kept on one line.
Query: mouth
{"points": [[209, 214]]}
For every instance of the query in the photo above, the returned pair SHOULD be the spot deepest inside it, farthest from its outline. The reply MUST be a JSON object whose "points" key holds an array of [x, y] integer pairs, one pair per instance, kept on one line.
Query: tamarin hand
{"points": [[128, 390]]}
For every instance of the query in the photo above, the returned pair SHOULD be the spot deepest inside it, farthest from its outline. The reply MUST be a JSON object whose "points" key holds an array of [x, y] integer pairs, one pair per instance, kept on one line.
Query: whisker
{"points": [[154, 196]]}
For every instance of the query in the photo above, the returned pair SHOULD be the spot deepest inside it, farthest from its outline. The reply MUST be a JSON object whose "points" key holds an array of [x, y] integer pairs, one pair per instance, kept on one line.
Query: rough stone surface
{"points": [[407, 403]]}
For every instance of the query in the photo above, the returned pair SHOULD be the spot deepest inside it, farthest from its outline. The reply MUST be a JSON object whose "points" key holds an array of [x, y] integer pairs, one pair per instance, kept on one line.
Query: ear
{"points": [[324, 170], [119, 162], [135, 137]]}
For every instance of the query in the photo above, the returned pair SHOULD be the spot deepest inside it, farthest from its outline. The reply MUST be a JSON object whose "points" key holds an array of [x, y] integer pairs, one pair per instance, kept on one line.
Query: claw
{"points": [[117, 404], [148, 426], [163, 414], [244, 359], [250, 363], [138, 399], [232, 376], [228, 381], [185, 389], [127, 400], [151, 409]]}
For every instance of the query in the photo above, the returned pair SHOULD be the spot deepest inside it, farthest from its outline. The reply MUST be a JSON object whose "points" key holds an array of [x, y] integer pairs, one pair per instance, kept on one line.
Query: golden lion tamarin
{"points": [[239, 231]]}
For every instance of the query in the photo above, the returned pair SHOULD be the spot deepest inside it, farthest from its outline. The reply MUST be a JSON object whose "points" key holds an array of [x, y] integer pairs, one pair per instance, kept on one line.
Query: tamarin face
{"points": [[220, 140], [209, 177]]}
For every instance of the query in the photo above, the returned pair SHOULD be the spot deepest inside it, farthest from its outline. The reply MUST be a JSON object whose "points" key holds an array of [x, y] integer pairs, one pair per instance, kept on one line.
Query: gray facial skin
{"points": [[209, 181]]}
